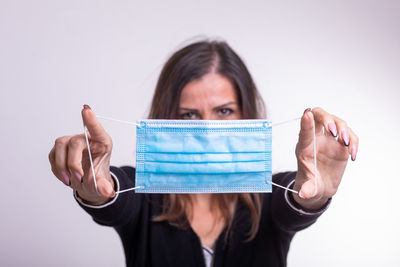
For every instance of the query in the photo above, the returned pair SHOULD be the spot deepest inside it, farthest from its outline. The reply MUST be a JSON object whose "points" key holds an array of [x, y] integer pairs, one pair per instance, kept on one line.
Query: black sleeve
{"points": [[287, 215], [125, 208]]}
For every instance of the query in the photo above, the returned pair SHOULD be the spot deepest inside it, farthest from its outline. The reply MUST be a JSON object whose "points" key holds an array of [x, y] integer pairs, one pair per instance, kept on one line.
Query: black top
{"points": [[149, 243]]}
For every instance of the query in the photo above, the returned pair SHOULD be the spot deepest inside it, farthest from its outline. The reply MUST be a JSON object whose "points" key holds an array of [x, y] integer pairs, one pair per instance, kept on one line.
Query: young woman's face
{"points": [[212, 97]]}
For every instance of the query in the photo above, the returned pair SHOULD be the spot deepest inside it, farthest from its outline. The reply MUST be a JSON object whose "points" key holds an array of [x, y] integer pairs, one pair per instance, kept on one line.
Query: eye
{"points": [[189, 116], [225, 112]]}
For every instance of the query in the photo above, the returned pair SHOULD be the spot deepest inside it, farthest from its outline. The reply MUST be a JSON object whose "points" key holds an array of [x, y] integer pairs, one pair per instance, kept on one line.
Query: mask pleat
{"points": [[208, 156]]}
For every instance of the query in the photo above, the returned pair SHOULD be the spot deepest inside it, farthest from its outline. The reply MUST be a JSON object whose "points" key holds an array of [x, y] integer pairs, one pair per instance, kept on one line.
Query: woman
{"points": [[206, 80]]}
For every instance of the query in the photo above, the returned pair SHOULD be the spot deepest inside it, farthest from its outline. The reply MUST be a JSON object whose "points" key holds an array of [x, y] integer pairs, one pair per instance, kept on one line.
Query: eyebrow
{"points": [[226, 104], [217, 107]]}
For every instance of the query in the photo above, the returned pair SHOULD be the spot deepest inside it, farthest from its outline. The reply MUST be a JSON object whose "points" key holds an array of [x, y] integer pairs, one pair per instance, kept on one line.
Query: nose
{"points": [[208, 116]]}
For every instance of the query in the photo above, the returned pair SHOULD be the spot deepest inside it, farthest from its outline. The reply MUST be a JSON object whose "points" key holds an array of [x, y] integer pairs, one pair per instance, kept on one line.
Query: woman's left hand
{"points": [[335, 141]]}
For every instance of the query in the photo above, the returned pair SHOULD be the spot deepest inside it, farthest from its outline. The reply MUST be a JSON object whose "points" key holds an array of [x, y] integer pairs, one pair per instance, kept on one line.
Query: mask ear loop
{"points": [[91, 160], [90, 157], [315, 161], [121, 121]]}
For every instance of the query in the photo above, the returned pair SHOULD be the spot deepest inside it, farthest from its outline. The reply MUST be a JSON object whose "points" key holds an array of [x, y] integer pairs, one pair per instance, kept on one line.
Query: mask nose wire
{"points": [[267, 125]]}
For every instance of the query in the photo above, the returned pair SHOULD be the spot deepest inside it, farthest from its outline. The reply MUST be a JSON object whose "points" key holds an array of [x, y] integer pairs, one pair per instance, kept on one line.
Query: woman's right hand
{"points": [[70, 162]]}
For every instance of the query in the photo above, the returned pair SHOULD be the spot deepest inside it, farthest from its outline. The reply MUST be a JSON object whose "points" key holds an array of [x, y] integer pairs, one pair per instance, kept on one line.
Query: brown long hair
{"points": [[188, 64]]}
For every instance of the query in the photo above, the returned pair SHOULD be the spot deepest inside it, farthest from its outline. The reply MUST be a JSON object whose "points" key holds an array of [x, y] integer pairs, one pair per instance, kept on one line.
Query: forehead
{"points": [[211, 89]]}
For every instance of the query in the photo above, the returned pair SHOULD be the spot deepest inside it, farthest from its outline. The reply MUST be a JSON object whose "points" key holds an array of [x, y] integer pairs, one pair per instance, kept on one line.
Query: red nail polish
{"points": [[86, 106]]}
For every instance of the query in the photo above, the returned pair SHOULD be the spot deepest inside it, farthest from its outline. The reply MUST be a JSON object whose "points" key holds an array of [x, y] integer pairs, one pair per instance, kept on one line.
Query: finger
{"points": [[76, 145], [105, 188], [325, 122], [354, 142], [94, 127], [60, 157], [343, 129], [306, 134], [53, 168], [51, 157]]}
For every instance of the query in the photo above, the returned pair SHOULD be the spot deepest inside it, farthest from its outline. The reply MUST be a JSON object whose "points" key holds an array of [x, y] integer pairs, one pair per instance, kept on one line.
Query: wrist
{"points": [[311, 204], [93, 201]]}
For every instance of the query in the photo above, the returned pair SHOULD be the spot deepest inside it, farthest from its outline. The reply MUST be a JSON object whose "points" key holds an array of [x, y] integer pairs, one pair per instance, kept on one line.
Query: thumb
{"points": [[306, 134], [105, 188], [308, 190], [94, 127]]}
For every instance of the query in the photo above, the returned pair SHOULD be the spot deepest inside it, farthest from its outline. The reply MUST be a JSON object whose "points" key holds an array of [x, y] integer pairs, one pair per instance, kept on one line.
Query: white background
{"points": [[57, 55]]}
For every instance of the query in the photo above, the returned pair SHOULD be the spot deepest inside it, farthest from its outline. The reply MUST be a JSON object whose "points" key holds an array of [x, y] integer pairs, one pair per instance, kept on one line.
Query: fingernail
{"points": [[78, 176], [307, 109], [65, 176], [332, 129], [85, 106], [353, 153], [345, 138], [301, 195]]}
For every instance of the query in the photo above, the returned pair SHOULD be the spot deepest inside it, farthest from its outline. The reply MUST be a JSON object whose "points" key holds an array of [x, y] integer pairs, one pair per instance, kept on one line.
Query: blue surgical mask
{"points": [[204, 156]]}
